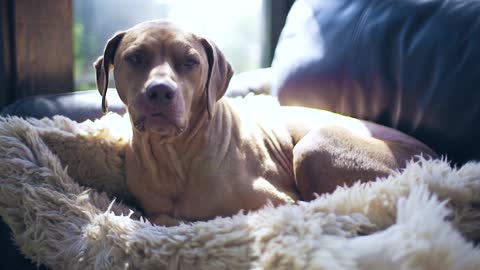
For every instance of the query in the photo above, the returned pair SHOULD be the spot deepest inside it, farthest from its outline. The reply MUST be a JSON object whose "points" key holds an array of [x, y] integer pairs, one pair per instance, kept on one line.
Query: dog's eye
{"points": [[189, 64], [134, 58]]}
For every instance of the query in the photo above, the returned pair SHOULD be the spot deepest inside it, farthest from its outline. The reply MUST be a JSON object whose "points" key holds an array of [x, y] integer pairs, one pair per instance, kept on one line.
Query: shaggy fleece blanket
{"points": [[59, 178]]}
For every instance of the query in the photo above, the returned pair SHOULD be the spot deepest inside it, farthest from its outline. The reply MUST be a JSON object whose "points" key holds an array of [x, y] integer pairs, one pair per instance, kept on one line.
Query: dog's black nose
{"points": [[161, 91]]}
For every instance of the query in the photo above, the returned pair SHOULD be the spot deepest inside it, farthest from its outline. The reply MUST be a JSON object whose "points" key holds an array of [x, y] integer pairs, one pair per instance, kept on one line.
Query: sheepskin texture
{"points": [[59, 178]]}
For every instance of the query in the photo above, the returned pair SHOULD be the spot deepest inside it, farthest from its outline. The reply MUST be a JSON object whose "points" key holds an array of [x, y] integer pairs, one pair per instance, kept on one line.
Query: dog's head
{"points": [[166, 77]]}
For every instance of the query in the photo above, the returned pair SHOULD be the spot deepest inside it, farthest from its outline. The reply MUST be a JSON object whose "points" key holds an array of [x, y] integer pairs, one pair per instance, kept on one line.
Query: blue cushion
{"points": [[409, 64]]}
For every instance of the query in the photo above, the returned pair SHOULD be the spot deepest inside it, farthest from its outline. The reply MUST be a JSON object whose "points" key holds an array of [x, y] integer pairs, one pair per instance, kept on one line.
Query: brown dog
{"points": [[194, 157]]}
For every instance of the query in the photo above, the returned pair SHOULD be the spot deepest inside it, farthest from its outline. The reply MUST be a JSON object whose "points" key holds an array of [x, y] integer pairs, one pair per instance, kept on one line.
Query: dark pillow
{"points": [[413, 65]]}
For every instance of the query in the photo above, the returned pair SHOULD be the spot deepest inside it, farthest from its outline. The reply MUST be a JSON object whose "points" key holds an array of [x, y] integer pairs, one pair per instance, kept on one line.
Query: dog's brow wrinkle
{"points": [[137, 46], [181, 43], [191, 52]]}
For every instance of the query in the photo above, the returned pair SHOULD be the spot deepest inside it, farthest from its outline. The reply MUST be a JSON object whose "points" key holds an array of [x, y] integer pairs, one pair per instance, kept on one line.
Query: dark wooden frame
{"points": [[6, 75], [36, 49]]}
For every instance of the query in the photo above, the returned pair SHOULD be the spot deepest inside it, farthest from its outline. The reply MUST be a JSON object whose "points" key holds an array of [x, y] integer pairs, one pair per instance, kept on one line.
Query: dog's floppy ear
{"points": [[219, 74], [104, 64]]}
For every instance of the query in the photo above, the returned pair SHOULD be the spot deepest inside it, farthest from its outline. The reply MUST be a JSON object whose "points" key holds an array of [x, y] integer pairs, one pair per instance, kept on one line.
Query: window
{"points": [[237, 27]]}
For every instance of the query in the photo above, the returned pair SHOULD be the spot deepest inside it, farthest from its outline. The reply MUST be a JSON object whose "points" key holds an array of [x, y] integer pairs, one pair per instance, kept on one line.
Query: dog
{"points": [[194, 157]]}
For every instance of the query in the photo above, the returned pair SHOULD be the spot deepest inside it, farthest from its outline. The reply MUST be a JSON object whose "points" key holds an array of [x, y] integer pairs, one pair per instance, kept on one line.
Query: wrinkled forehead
{"points": [[160, 35]]}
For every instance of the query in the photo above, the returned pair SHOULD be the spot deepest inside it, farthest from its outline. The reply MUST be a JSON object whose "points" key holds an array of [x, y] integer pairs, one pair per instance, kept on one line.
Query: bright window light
{"points": [[235, 26]]}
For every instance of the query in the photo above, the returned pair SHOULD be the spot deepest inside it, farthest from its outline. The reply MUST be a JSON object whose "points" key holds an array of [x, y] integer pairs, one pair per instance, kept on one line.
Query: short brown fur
{"points": [[194, 157]]}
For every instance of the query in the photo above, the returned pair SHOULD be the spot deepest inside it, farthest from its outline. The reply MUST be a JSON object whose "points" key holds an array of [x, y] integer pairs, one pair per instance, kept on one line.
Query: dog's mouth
{"points": [[159, 123]]}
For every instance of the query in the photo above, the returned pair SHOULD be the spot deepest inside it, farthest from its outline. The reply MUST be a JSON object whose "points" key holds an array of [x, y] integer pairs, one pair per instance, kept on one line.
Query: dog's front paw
{"points": [[164, 220]]}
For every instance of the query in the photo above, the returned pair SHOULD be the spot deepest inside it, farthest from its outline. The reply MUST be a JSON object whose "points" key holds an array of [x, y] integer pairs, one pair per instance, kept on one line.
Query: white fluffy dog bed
{"points": [[58, 179]]}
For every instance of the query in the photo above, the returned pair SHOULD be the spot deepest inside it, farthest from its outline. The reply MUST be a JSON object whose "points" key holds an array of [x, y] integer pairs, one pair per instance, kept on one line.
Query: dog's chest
{"points": [[241, 176], [225, 195]]}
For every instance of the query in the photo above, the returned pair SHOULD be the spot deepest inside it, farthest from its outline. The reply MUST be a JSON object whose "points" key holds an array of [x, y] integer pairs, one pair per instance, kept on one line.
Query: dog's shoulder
{"points": [[261, 110], [259, 116]]}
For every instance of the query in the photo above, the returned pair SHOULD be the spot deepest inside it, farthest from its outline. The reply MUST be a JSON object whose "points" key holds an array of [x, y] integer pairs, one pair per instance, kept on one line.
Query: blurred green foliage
{"points": [[79, 51]]}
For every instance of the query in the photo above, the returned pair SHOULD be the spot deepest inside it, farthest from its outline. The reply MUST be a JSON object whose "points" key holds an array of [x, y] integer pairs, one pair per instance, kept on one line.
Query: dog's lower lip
{"points": [[140, 124], [158, 114]]}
